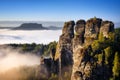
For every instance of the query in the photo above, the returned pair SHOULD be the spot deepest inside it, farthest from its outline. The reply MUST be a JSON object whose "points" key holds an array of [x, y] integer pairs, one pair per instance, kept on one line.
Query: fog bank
{"points": [[24, 36], [13, 59]]}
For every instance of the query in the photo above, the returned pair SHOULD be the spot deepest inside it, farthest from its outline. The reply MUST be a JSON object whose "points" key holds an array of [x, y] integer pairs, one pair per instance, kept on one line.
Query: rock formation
{"points": [[92, 29], [106, 27], [64, 49], [76, 49], [83, 51], [65, 43], [79, 34]]}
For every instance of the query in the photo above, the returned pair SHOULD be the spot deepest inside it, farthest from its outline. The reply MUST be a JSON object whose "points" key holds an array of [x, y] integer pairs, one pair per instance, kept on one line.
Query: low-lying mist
{"points": [[15, 65], [10, 58], [24, 36]]}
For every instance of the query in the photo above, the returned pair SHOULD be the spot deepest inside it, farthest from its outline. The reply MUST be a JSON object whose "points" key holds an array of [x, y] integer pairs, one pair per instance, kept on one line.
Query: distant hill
{"points": [[30, 26], [49, 25], [35, 26], [6, 27]]}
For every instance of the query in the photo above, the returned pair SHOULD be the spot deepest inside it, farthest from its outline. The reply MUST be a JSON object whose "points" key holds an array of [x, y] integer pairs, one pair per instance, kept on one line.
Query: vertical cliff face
{"points": [[78, 39], [78, 42], [65, 43], [80, 51], [86, 66], [92, 29], [64, 49], [106, 27]]}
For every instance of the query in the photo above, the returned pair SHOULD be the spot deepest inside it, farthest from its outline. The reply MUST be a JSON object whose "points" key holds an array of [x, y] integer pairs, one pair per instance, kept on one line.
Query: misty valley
{"points": [[22, 61]]}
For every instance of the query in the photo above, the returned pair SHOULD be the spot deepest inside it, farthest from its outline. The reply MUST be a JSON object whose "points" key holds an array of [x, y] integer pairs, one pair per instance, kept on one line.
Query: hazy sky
{"points": [[59, 10]]}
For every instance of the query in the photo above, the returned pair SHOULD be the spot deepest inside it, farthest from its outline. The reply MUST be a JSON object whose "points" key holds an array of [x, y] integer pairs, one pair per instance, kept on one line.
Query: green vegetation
{"points": [[30, 72], [51, 45], [108, 55], [116, 67], [100, 37], [108, 49], [39, 49]]}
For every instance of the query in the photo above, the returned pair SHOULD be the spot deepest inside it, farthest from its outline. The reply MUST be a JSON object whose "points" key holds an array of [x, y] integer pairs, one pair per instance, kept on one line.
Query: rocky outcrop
{"points": [[85, 65], [65, 43], [60, 60], [64, 49], [79, 51], [92, 29], [106, 27], [76, 50], [79, 34]]}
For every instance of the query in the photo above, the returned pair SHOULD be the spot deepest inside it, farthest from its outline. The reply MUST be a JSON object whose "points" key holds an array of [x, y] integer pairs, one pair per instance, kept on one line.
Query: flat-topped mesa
{"points": [[106, 27], [92, 29]]}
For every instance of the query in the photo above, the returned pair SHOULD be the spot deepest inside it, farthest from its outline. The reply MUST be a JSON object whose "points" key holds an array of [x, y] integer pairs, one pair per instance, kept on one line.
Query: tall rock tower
{"points": [[75, 50], [64, 48]]}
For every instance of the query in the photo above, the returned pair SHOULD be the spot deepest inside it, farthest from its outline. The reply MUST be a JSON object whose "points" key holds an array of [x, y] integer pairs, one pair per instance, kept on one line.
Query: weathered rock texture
{"points": [[76, 50], [92, 29], [81, 50], [79, 34], [64, 49], [106, 27], [65, 44], [83, 67]]}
